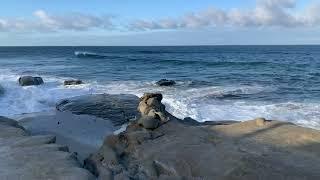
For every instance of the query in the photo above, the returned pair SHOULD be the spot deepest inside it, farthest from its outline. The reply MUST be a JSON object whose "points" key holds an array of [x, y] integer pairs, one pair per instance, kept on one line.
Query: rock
{"points": [[242, 151], [193, 122], [149, 122], [165, 82], [153, 112], [147, 96], [84, 138], [260, 121], [118, 109], [35, 157], [30, 81], [72, 82]]}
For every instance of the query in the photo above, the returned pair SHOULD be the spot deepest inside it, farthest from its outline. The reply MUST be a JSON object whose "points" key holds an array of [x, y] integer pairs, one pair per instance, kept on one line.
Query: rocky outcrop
{"points": [[83, 134], [153, 113], [72, 82], [30, 81], [257, 149], [35, 157], [118, 109], [165, 82]]}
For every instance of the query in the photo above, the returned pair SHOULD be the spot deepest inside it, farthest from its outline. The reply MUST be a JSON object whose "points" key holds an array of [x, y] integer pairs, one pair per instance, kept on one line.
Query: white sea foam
{"points": [[181, 100]]}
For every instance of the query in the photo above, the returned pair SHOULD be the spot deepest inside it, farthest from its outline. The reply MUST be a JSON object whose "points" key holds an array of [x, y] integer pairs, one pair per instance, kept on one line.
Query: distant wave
{"points": [[85, 54]]}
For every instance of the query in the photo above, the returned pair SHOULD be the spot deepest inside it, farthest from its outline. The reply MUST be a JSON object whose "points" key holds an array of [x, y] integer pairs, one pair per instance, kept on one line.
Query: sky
{"points": [[152, 23]]}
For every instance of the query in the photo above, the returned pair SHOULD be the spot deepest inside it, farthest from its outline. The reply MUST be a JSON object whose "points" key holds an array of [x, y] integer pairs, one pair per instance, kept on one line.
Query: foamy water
{"points": [[181, 101], [213, 83]]}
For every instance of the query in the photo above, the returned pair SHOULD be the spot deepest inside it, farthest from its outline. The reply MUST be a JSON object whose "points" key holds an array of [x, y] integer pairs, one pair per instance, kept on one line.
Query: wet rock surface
{"points": [[165, 82], [35, 157], [30, 81], [118, 109], [72, 82]]}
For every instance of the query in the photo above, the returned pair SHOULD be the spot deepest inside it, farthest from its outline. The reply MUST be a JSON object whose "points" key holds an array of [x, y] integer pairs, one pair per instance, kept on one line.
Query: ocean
{"points": [[213, 82]]}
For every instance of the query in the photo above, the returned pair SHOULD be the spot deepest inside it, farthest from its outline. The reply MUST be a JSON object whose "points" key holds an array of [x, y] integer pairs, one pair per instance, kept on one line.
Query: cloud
{"points": [[266, 13], [45, 22]]}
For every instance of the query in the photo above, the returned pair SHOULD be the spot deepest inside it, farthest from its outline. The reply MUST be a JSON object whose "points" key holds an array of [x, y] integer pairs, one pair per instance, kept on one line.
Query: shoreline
{"points": [[157, 145]]}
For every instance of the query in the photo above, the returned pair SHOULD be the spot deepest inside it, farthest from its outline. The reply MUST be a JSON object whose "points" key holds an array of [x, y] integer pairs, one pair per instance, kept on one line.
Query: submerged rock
{"points": [[72, 82], [35, 157], [119, 109], [165, 82], [30, 81]]}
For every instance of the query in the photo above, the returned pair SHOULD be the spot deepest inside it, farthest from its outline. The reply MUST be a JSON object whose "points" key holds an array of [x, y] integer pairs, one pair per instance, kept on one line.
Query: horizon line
{"points": [[159, 45]]}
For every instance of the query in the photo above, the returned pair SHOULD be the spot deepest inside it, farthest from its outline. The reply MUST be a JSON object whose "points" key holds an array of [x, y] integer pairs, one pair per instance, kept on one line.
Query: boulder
{"points": [[149, 122], [165, 82], [153, 112], [72, 82], [30, 81], [118, 109]]}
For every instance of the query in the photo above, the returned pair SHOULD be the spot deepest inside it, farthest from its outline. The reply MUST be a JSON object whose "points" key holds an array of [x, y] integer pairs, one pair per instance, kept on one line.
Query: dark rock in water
{"points": [[72, 82], [30, 81], [165, 82], [119, 109]]}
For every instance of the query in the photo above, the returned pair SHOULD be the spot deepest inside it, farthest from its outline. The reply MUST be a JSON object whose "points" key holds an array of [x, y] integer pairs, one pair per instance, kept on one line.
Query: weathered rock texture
{"points": [[83, 134], [30, 81], [153, 113], [35, 157], [252, 150], [119, 109]]}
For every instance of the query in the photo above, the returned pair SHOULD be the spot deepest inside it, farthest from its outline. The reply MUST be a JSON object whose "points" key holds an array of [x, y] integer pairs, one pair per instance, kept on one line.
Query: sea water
{"points": [[213, 82]]}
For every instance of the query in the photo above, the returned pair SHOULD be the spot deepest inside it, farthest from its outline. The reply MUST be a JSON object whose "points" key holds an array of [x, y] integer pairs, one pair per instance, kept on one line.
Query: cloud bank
{"points": [[45, 22], [266, 13]]}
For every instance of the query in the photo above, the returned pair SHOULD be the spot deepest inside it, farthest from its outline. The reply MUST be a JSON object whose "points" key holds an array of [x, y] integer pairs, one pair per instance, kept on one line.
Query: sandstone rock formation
{"points": [[30, 81], [72, 82], [118, 109], [258, 149], [35, 157], [153, 112]]}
